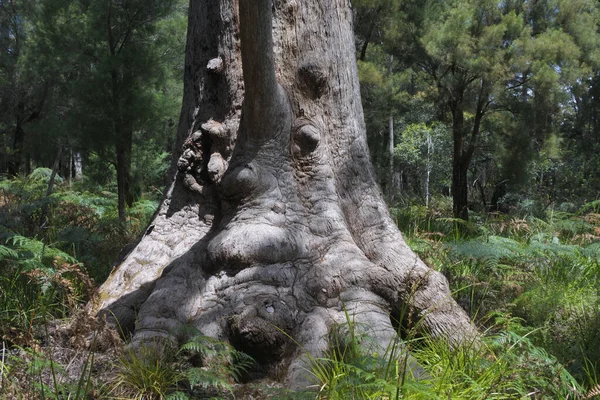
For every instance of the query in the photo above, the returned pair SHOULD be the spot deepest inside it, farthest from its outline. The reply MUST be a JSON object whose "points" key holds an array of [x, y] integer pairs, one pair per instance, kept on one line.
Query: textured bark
{"points": [[274, 222]]}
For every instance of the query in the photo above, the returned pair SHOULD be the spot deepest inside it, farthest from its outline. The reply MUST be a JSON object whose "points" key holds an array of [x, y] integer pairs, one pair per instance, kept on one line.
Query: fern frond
{"points": [[595, 391], [7, 253], [220, 358], [36, 248], [207, 378], [241, 363], [177, 396], [490, 251]]}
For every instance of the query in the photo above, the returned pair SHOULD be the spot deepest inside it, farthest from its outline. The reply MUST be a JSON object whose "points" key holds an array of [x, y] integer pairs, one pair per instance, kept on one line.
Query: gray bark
{"points": [[273, 222], [78, 166]]}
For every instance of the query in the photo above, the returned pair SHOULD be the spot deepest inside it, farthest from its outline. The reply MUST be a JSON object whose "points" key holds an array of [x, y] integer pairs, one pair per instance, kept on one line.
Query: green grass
{"points": [[149, 372], [503, 365], [545, 272]]}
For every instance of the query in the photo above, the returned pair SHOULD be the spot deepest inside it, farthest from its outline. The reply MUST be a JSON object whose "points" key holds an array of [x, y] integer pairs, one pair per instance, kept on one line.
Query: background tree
{"points": [[274, 226], [422, 157], [22, 96], [120, 44], [489, 57], [108, 71]]}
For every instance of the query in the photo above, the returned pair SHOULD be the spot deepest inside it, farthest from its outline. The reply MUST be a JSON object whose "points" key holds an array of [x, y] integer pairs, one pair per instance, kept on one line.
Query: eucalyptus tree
{"points": [[273, 226]]}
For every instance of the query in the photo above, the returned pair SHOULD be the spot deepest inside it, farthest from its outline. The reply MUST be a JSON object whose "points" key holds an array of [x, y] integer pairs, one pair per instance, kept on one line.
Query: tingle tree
{"points": [[273, 226]]}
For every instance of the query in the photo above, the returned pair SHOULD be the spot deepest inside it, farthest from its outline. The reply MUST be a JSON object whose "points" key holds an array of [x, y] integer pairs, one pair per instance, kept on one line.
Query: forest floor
{"points": [[529, 279]]}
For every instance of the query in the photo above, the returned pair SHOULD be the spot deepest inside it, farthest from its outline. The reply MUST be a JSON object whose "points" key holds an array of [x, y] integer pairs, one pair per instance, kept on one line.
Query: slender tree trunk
{"points": [[123, 150], [17, 149], [77, 166], [429, 167], [274, 226], [460, 164], [122, 125]]}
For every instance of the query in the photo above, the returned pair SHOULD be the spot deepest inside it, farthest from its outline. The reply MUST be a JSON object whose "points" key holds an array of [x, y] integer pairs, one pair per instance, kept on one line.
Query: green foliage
{"points": [[46, 267], [75, 89], [80, 224], [545, 272], [516, 82], [350, 369], [220, 363], [202, 366], [38, 282], [505, 364], [420, 153]]}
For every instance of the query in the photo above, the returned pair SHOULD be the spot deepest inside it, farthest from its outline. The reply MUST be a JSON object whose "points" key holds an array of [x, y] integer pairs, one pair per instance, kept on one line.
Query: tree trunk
{"points": [[77, 166], [123, 148], [460, 163], [430, 150], [17, 149], [274, 222], [460, 188]]}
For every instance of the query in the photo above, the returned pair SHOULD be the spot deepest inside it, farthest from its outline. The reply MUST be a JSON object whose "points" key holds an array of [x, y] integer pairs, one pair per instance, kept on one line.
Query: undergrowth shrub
{"points": [[37, 283], [148, 372], [203, 367], [544, 271], [504, 364], [212, 364], [83, 224]]}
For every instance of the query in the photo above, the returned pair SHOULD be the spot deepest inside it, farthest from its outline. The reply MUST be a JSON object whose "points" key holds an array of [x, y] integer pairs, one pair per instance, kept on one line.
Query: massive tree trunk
{"points": [[273, 222]]}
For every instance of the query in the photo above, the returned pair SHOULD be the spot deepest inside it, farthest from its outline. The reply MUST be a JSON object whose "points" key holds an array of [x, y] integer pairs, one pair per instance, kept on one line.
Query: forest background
{"points": [[482, 118]]}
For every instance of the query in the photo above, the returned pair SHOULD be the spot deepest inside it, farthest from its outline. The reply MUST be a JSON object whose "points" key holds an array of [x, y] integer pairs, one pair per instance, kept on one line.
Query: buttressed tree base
{"points": [[274, 227]]}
